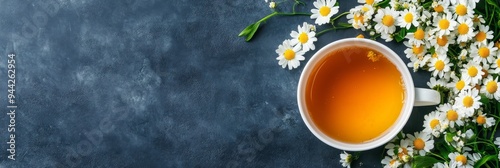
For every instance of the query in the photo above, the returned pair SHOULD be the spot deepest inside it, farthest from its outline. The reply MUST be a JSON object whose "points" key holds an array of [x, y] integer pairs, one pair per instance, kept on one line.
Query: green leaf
{"points": [[485, 159], [424, 161], [249, 31], [491, 2], [484, 99], [400, 36]]}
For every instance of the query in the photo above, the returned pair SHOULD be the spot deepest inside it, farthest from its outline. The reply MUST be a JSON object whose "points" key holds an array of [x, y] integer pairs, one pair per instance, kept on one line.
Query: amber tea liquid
{"points": [[354, 94]]}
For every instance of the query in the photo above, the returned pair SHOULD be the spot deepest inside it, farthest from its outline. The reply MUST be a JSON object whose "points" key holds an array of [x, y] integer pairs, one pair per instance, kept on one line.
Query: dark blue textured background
{"points": [[152, 83]]}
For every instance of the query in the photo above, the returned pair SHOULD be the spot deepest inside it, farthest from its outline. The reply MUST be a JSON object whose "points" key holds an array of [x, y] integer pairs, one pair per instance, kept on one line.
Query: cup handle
{"points": [[426, 97]]}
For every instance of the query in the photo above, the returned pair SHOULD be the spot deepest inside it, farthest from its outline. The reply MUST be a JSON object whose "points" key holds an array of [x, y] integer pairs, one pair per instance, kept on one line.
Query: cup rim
{"points": [[400, 121]]}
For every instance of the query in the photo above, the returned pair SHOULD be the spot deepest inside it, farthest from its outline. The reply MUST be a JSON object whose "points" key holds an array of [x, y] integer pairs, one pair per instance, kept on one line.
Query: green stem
{"points": [[436, 155], [337, 17], [281, 14], [330, 29]]}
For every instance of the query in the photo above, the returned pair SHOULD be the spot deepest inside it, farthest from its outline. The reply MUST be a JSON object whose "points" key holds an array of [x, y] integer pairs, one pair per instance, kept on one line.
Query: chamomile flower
{"points": [[464, 30], [422, 142], [483, 53], [404, 149], [440, 6], [461, 9], [325, 9], [419, 62], [441, 43], [472, 72], [385, 19], [435, 83], [360, 16], [495, 67], [484, 121], [440, 65], [478, 20], [497, 142], [458, 84], [432, 123], [345, 159], [440, 165], [408, 18], [369, 2], [444, 24], [490, 88], [289, 56], [483, 35], [414, 50], [460, 160], [452, 115], [304, 37], [418, 37], [391, 162], [467, 101]]}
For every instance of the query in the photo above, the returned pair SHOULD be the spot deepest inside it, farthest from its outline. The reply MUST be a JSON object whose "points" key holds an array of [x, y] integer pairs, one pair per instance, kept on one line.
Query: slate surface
{"points": [[151, 83]]}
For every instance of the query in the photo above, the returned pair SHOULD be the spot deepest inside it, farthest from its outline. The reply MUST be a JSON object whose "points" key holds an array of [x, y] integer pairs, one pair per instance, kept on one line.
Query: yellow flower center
{"points": [[444, 24], [434, 123], [360, 36], [324, 11], [442, 41], [435, 55], [289, 54], [461, 158], [408, 18], [369, 2], [468, 101], [359, 18], [392, 162], [483, 52], [452, 115], [402, 153], [498, 62], [439, 65], [417, 50], [480, 36], [460, 85], [439, 9], [365, 9], [463, 29], [419, 34], [419, 144], [491, 87], [481, 119], [461, 9], [388, 20], [472, 71], [303, 37]]}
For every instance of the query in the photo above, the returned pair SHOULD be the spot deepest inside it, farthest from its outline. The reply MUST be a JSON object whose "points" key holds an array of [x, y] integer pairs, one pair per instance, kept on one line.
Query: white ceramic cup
{"points": [[413, 97]]}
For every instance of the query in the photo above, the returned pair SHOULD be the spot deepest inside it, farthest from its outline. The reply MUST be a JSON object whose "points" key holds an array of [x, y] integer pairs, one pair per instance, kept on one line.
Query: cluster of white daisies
{"points": [[446, 38], [292, 51], [450, 40]]}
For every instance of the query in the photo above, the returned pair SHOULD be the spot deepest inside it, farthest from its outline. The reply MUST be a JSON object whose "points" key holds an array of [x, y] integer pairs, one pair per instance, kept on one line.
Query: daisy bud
{"points": [[372, 33], [406, 158], [272, 5]]}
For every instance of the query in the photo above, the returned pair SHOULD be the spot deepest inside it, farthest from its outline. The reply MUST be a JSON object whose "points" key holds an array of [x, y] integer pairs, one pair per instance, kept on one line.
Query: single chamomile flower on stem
{"points": [[304, 37], [324, 10], [490, 88], [422, 142], [467, 101], [440, 65], [289, 56]]}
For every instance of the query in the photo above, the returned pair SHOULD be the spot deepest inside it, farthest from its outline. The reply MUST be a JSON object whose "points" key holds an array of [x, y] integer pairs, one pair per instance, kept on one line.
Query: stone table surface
{"points": [[159, 83]]}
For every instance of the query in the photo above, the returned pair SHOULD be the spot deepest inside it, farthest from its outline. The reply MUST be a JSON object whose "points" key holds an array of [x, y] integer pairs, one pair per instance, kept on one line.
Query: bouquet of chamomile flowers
{"points": [[457, 41]]}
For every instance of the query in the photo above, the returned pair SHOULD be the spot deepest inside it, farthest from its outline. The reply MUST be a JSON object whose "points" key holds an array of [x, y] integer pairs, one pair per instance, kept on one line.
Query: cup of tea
{"points": [[357, 94]]}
